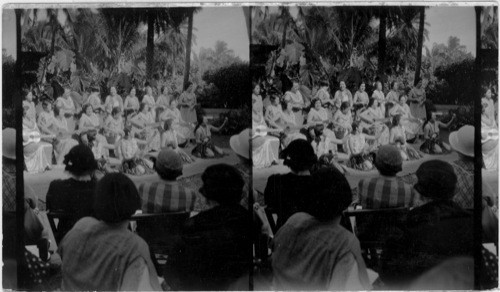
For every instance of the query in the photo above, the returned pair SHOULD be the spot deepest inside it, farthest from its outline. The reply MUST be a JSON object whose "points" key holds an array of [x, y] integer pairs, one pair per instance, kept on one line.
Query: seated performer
{"points": [[205, 148], [398, 137], [131, 103], [114, 100], [37, 154], [374, 119], [54, 123], [432, 143], [265, 148], [144, 127], [132, 158], [361, 98], [361, 154], [342, 95], [169, 140], [412, 125], [113, 126], [183, 129]]}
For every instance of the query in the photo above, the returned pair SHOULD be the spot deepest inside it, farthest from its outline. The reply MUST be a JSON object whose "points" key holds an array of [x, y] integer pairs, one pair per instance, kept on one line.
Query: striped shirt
{"points": [[385, 192], [164, 197]]}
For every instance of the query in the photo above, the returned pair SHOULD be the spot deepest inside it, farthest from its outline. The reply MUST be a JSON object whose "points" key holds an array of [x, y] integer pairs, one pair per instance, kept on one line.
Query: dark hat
{"points": [[80, 160], [436, 180], [299, 155], [388, 160]]}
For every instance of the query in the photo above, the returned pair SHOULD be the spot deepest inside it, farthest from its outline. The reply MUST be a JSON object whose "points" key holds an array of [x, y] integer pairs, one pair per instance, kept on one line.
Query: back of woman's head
{"points": [[299, 156], [116, 198], [330, 196], [80, 160], [222, 183]]}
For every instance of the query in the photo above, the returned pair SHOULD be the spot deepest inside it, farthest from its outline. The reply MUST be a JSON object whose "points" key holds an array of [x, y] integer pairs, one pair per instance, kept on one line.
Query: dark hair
{"points": [[133, 88], [284, 103], [84, 107], [115, 110], [355, 126], [142, 106], [299, 156], [392, 84], [314, 101], [362, 82], [395, 120], [436, 180], [80, 160], [168, 124], [45, 103], [345, 105], [371, 101], [57, 110], [331, 194], [116, 198], [222, 183], [127, 130]]}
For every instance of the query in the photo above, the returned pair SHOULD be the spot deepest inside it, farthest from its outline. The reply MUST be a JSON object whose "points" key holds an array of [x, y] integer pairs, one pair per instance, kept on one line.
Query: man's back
{"points": [[385, 192], [164, 196]]}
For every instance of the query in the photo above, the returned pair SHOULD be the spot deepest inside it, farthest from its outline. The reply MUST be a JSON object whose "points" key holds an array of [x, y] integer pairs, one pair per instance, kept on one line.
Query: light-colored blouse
{"points": [[129, 148], [344, 120], [361, 97], [86, 121], [317, 116], [149, 100], [132, 101], [202, 133]]}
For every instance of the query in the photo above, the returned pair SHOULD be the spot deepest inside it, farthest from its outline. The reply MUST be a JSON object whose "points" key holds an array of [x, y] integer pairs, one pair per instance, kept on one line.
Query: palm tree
{"points": [[190, 12], [420, 43]]}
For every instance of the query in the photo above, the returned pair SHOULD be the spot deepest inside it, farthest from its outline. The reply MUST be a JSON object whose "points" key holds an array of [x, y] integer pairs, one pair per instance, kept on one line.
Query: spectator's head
{"points": [[168, 164], [396, 120], [223, 184], [80, 161], [240, 144], [388, 160], [436, 180], [462, 141], [299, 156], [344, 107], [116, 198], [331, 194], [9, 145]]}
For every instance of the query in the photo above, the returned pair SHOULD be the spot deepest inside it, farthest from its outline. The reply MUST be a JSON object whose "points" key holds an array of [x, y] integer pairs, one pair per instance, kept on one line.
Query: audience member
{"points": [[285, 193], [312, 250], [166, 195], [215, 249], [101, 253], [433, 232]]}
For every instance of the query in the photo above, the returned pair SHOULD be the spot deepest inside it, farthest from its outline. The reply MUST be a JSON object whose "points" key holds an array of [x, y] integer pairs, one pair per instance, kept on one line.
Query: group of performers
{"points": [[126, 129], [339, 124]]}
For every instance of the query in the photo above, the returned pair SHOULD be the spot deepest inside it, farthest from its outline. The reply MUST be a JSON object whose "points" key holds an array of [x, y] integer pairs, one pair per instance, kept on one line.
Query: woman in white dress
{"points": [[28, 102], [489, 139], [54, 123], [169, 140], [37, 155], [265, 148], [412, 125], [113, 100], [287, 121], [361, 98], [295, 97], [113, 126], [342, 95], [373, 118], [131, 103], [183, 129], [150, 101], [187, 101], [145, 127], [163, 100], [378, 94]]}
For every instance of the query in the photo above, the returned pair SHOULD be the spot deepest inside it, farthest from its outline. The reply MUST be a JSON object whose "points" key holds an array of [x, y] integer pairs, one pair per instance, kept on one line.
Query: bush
{"points": [[453, 85], [233, 84]]}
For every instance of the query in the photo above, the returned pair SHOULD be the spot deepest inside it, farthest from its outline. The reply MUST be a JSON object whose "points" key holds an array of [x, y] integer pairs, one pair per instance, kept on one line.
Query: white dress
{"points": [[37, 156], [489, 141], [264, 149]]}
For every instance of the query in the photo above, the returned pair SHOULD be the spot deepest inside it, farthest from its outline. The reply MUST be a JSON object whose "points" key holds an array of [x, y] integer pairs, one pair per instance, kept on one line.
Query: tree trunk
{"points": [[382, 42], [150, 49], [283, 37], [420, 44], [188, 51]]}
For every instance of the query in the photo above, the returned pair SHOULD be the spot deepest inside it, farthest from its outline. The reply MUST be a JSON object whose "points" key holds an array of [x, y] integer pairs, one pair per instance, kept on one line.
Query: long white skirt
{"points": [[37, 157], [265, 151], [490, 147]]}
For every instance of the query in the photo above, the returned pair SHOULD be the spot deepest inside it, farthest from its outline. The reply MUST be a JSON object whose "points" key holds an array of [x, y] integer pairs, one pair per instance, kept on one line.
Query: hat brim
{"points": [[234, 143], [457, 146]]}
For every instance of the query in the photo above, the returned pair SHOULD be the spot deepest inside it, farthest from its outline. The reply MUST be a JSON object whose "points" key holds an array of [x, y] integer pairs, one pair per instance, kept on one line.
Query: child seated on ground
{"points": [[361, 154], [205, 148], [169, 139], [131, 157], [432, 143]]}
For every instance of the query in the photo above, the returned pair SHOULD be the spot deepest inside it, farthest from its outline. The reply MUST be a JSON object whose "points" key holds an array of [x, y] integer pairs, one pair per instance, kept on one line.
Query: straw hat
{"points": [[240, 143], [9, 143], [463, 140]]}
